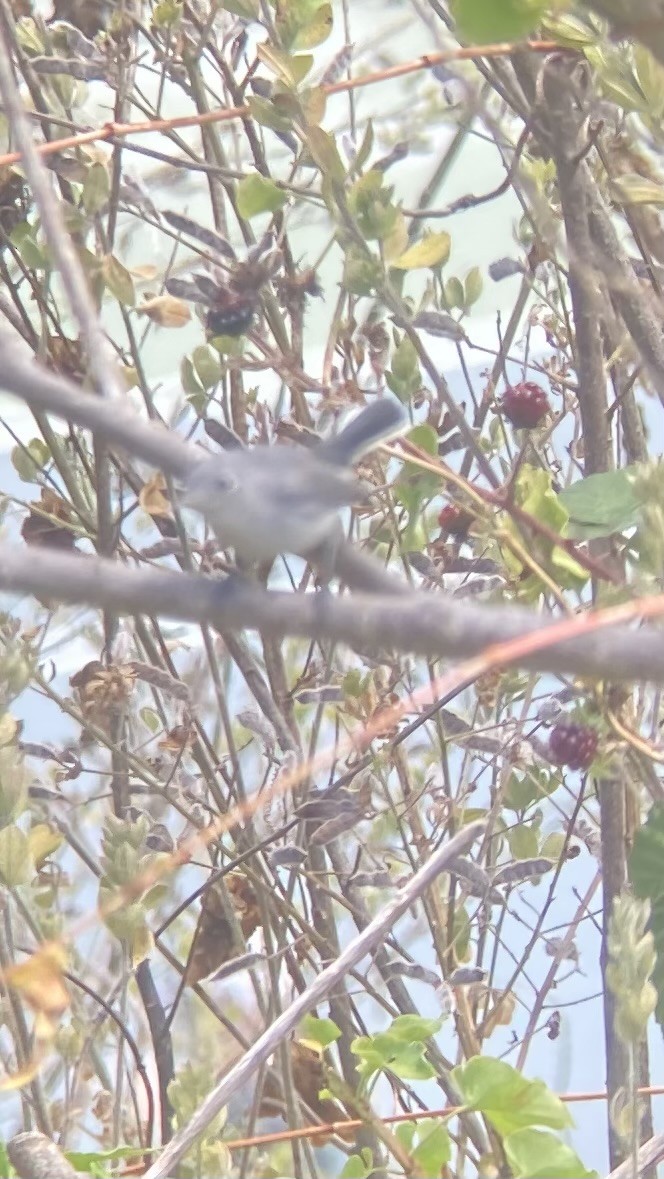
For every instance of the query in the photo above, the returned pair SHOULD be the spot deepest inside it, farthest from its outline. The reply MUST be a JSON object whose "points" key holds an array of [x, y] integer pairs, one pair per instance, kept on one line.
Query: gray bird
{"points": [[286, 499]]}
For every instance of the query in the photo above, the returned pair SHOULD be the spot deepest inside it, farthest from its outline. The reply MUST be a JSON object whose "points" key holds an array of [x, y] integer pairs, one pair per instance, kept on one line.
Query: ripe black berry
{"points": [[572, 745], [525, 404]]}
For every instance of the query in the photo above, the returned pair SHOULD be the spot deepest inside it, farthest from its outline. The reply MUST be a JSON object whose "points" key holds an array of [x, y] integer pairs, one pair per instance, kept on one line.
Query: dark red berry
{"points": [[572, 745], [525, 404], [455, 521]]}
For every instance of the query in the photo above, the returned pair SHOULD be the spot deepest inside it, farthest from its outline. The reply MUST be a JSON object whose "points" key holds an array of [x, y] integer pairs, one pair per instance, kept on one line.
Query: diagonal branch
{"points": [[322, 986]]}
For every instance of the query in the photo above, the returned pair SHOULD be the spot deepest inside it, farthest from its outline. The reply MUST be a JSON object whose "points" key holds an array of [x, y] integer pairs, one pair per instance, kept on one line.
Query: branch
{"points": [[418, 621], [34, 1156], [326, 982], [114, 422], [101, 357]]}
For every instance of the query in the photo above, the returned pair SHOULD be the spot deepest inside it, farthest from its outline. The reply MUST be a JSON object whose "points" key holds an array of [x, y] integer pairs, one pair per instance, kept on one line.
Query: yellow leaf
{"points": [[142, 945], [432, 250], [39, 980], [147, 272], [397, 239], [23, 1076], [8, 728], [43, 841]]}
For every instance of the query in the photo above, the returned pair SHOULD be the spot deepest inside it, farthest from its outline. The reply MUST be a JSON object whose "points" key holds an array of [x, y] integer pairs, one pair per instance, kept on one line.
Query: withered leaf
{"points": [[152, 499], [309, 1077], [48, 523], [165, 310], [218, 938]]}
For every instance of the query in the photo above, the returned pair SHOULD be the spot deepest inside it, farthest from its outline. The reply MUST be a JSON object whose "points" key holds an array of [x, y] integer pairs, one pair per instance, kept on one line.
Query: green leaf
{"points": [[92, 1160], [632, 189], [508, 1099], [370, 202], [256, 194], [267, 114], [245, 9], [601, 505], [362, 273], [29, 36], [432, 250], [404, 361], [473, 286], [321, 1031], [118, 280], [553, 846], [534, 1154], [434, 1148], [414, 484], [96, 189], [313, 103], [167, 14], [206, 366], [455, 295], [325, 153], [522, 790], [317, 29], [647, 857], [523, 841], [414, 1029], [569, 31], [22, 237], [29, 460], [13, 783], [190, 382], [151, 719], [484, 21], [16, 866], [289, 70], [359, 1166]]}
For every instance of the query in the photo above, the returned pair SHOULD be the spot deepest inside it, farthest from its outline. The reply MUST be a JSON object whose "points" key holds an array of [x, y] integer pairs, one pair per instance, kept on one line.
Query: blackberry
{"points": [[572, 745]]}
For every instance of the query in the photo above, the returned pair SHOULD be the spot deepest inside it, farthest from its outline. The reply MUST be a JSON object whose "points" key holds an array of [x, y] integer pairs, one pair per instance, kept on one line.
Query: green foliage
{"points": [[399, 1050], [535, 1154], [256, 194], [508, 1099], [601, 505], [404, 377], [96, 189], [428, 1144], [370, 202], [484, 21], [647, 878], [524, 789], [16, 865], [533, 492], [359, 1166], [186, 1092], [30, 459], [321, 1031]]}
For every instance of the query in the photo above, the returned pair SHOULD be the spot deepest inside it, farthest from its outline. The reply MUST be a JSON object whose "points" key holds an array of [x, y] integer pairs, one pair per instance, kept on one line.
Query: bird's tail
{"points": [[385, 418]]}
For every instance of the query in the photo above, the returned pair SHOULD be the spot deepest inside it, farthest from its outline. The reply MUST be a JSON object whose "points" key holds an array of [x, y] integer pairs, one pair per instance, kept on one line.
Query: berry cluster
{"points": [[572, 745], [525, 404]]}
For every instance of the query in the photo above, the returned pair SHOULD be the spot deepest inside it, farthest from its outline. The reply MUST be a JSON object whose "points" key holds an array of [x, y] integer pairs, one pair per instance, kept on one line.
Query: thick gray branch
{"points": [[114, 422], [417, 621]]}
